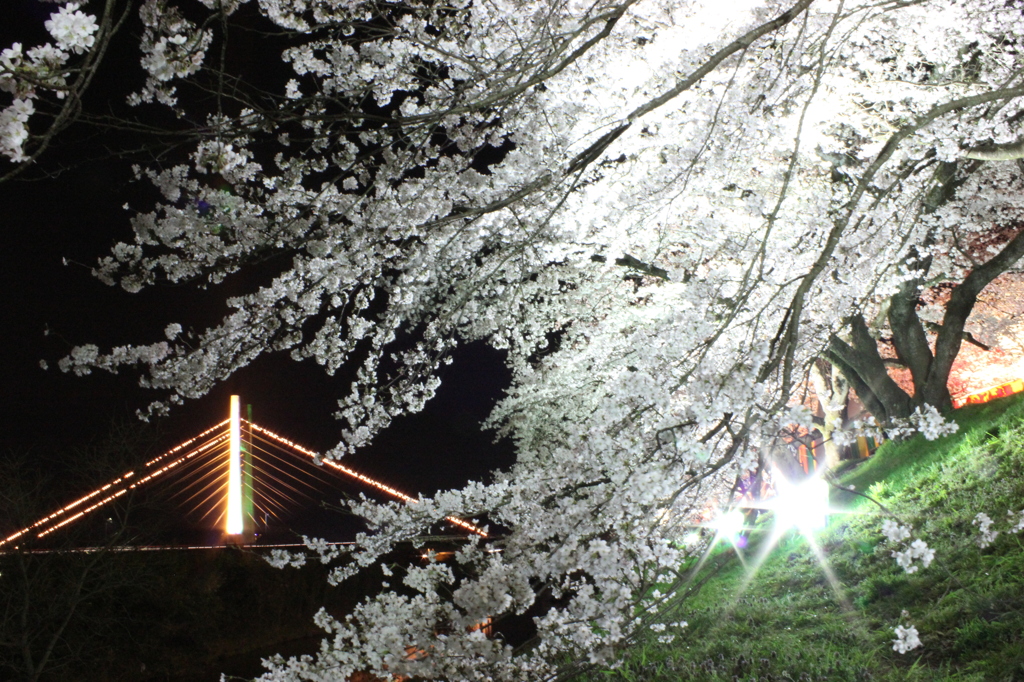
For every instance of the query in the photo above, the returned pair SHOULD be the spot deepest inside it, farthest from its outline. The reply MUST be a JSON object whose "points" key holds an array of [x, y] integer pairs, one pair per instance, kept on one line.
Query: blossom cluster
{"points": [[28, 74], [911, 551], [14, 128], [172, 48], [929, 423], [1019, 517], [667, 637], [660, 212], [907, 638], [987, 535], [73, 29], [925, 420]]}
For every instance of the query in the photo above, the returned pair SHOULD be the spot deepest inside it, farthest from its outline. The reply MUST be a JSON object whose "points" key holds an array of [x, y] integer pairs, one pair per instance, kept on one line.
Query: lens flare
{"points": [[803, 506], [729, 524]]}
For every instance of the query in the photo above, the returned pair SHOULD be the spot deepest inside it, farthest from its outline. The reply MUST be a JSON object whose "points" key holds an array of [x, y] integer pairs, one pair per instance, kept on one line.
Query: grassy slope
{"points": [[791, 624]]}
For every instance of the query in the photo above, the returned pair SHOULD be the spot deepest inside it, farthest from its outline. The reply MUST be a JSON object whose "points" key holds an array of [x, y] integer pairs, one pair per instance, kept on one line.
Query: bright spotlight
{"points": [[692, 538], [729, 524], [804, 506], [234, 522]]}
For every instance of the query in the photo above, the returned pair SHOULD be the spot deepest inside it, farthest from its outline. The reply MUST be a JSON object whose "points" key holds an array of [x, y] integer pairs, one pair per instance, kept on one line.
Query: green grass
{"points": [[790, 623]]}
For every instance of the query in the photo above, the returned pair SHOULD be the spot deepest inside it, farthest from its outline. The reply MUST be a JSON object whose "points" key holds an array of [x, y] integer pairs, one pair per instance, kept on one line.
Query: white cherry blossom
{"points": [[73, 29], [662, 212]]}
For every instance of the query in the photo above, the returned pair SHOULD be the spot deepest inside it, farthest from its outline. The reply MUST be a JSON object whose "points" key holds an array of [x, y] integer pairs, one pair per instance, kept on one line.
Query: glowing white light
{"points": [[730, 523], [233, 526], [692, 538], [804, 506]]}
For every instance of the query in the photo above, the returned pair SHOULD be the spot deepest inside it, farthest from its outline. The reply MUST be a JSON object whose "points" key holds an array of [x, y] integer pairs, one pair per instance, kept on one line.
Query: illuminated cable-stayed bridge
{"points": [[234, 477]]}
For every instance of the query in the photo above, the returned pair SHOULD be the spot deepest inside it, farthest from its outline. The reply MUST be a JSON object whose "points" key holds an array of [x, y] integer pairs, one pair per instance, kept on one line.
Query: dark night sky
{"points": [[76, 216]]}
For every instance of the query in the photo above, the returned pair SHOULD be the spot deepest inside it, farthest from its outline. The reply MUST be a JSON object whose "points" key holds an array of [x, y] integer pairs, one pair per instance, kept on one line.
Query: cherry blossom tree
{"points": [[662, 211], [46, 83], [968, 245]]}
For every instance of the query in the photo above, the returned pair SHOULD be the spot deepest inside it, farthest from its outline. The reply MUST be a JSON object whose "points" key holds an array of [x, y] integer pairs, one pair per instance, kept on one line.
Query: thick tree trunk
{"points": [[833, 391], [908, 334], [961, 303], [859, 359], [866, 396], [863, 366]]}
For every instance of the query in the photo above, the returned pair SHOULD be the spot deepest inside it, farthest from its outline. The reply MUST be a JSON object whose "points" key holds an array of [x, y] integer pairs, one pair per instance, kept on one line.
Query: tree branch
{"points": [[997, 152], [961, 302]]}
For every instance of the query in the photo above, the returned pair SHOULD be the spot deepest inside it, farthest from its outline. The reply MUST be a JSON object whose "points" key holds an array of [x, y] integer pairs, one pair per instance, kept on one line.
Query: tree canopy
{"points": [[663, 211]]}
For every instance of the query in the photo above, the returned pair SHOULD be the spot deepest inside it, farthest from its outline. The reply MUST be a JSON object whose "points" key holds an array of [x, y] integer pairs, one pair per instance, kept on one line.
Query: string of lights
{"points": [[361, 477], [205, 473], [50, 523], [138, 483]]}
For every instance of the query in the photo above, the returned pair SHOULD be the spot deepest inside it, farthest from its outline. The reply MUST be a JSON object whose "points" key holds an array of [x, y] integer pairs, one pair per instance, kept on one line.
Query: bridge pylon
{"points": [[239, 526], [227, 489]]}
